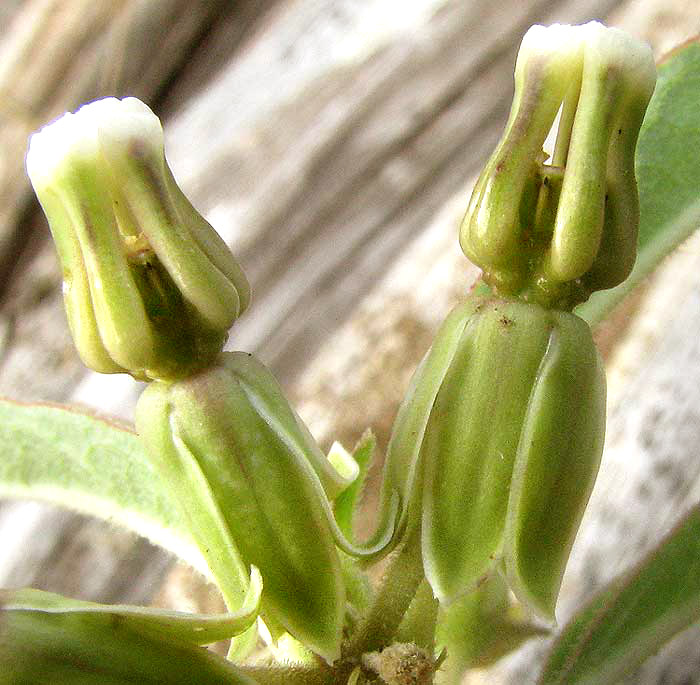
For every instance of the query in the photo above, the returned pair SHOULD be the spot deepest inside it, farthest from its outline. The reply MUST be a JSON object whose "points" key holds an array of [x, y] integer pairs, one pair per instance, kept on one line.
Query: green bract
{"points": [[554, 232], [252, 481], [150, 289], [497, 446]]}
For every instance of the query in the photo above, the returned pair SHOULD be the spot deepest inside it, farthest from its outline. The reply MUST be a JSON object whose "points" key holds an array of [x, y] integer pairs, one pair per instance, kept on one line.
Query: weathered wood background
{"points": [[333, 143]]}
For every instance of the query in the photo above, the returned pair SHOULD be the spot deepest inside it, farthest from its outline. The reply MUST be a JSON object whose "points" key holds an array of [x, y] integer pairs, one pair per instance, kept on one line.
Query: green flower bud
{"points": [[150, 289], [497, 445], [228, 443], [553, 232]]}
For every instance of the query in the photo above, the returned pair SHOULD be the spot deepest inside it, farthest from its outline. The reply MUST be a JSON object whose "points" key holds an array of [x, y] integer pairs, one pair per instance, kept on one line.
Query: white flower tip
{"points": [[568, 47], [66, 137], [127, 120], [557, 38], [617, 48], [557, 47], [79, 136]]}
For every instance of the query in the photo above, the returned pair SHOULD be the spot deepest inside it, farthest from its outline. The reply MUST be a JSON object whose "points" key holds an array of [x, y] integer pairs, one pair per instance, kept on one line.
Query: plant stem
{"points": [[396, 591], [291, 675]]}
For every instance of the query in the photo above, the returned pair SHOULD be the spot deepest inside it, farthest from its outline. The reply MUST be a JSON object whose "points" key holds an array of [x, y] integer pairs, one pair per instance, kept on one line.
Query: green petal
{"points": [[471, 440], [269, 500], [556, 464]]}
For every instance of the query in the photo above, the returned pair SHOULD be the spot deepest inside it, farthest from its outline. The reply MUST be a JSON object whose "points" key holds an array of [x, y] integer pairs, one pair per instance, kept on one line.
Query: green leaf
{"points": [[347, 502], [195, 629], [632, 617], [100, 648], [668, 173], [75, 459], [91, 465]]}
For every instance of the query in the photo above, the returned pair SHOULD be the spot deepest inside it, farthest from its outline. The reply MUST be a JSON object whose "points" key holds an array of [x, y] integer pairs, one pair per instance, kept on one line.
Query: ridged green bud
{"points": [[228, 443], [150, 289], [497, 445], [554, 231]]}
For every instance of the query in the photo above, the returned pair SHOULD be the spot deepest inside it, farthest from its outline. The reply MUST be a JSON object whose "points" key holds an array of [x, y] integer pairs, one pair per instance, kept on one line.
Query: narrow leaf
{"points": [[634, 616], [668, 172], [99, 648], [88, 464], [195, 629]]}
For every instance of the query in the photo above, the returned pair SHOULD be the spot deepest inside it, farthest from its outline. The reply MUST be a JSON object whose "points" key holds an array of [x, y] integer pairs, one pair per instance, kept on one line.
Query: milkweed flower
{"points": [[266, 485], [149, 287], [497, 444], [555, 230]]}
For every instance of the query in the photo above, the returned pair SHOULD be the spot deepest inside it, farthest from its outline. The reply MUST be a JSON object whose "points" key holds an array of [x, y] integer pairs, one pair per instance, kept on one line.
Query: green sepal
{"points": [[471, 439], [270, 402], [222, 425], [491, 384], [189, 486], [402, 467], [480, 628]]}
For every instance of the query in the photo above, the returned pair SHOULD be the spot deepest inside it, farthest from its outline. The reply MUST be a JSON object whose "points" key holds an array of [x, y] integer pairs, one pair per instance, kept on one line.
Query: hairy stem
{"points": [[397, 589]]}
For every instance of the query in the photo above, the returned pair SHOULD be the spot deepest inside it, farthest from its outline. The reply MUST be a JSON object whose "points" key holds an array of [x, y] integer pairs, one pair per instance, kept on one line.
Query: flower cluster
{"points": [[496, 447]]}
